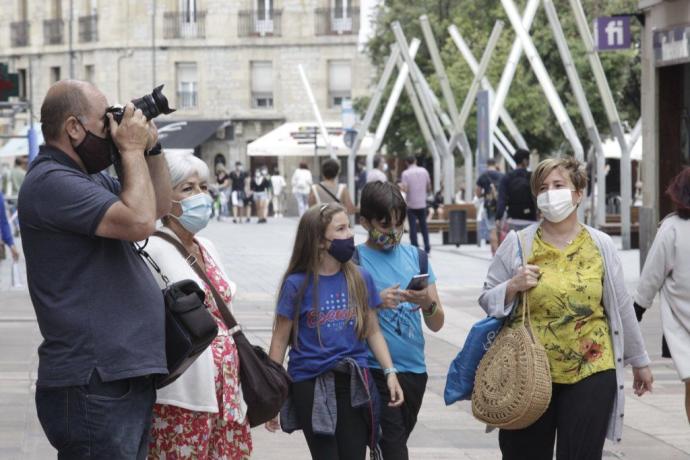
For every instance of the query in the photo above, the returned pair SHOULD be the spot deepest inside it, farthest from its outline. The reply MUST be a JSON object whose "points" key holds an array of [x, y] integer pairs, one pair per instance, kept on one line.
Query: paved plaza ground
{"points": [[255, 257]]}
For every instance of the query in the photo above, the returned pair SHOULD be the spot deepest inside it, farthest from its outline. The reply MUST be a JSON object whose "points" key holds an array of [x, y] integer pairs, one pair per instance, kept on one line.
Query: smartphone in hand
{"points": [[418, 282]]}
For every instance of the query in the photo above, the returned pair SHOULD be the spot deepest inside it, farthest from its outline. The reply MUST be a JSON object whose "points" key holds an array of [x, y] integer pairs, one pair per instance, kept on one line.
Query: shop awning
{"points": [[296, 139], [19, 146], [187, 134]]}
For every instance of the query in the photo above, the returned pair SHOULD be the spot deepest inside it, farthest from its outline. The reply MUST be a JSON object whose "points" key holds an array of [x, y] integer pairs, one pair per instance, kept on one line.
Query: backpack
{"points": [[491, 195], [519, 196]]}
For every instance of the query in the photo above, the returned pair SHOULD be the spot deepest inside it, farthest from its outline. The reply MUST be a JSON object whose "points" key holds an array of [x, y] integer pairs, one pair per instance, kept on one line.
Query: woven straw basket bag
{"points": [[512, 388]]}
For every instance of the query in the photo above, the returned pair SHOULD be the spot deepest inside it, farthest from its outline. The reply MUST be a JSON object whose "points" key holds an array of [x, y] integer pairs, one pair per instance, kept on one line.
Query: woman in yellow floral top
{"points": [[581, 313]]}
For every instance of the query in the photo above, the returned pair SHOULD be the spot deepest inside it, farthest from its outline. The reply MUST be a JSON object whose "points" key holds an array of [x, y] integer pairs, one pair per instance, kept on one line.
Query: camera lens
{"points": [[153, 104]]}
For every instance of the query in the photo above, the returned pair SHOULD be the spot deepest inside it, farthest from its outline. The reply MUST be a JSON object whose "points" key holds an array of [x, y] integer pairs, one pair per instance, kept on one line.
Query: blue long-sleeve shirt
{"points": [[5, 223]]}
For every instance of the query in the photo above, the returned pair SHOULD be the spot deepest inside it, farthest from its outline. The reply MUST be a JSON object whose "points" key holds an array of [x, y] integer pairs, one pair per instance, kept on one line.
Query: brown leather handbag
{"points": [[265, 383]]}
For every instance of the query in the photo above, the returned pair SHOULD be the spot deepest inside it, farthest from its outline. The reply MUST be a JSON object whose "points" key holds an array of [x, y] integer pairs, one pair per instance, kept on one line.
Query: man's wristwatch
{"points": [[155, 150], [390, 370], [430, 310]]}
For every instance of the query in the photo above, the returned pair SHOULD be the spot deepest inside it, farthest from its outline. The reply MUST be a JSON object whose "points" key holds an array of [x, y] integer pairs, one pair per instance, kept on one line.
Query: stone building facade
{"points": [[234, 62]]}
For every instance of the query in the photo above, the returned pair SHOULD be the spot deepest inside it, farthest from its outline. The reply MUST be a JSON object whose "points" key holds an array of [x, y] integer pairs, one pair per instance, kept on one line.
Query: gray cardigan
{"points": [[628, 345]]}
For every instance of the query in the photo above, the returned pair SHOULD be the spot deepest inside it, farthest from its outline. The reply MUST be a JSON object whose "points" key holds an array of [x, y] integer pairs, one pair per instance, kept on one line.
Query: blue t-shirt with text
{"points": [[402, 327], [336, 324]]}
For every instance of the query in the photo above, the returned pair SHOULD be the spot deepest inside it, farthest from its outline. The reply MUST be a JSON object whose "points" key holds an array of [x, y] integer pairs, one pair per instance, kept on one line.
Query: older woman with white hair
{"points": [[202, 414]]}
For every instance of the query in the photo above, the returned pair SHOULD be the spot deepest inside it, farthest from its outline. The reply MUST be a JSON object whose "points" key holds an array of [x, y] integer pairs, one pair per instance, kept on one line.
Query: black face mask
{"points": [[95, 152]]}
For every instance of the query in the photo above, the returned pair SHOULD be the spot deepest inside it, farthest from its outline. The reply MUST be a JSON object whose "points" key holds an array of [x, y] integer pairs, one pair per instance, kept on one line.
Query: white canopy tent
{"points": [[294, 139], [19, 146], [612, 149]]}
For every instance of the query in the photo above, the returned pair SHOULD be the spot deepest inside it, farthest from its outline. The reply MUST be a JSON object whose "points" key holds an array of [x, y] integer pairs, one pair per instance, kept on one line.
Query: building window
{"points": [[187, 96], [89, 73], [339, 82], [264, 17], [262, 84], [54, 74]]}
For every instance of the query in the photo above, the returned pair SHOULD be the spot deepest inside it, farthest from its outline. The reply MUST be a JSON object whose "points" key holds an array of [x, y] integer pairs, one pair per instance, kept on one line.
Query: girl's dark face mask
{"points": [[95, 152]]}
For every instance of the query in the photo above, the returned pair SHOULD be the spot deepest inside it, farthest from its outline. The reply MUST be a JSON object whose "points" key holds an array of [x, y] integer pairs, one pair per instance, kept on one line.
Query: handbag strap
{"points": [[337, 200], [525, 300], [228, 318]]}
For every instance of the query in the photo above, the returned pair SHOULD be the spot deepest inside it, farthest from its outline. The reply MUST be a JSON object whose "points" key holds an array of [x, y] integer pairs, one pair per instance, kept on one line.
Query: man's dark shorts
{"points": [[98, 421]]}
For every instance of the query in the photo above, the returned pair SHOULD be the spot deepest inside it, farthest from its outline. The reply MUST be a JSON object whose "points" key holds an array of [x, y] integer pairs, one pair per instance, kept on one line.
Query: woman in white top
{"points": [[201, 414], [667, 271], [301, 185], [329, 190]]}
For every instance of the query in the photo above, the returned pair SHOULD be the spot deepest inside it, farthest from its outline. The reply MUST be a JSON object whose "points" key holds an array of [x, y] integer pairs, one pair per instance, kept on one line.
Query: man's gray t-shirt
{"points": [[97, 304]]}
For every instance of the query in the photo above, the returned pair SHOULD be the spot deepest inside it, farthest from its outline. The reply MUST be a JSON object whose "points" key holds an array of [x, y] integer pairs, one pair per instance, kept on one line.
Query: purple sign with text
{"points": [[612, 33]]}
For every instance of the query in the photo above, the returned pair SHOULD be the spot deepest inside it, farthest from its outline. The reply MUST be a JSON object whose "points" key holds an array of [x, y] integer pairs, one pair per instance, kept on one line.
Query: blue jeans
{"points": [[414, 215], [101, 420]]}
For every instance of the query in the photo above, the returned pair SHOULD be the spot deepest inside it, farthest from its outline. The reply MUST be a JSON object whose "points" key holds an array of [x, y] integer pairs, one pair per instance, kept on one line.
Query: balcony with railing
{"points": [[53, 31], [19, 33], [187, 99], [184, 24], [256, 23], [88, 29], [337, 21]]}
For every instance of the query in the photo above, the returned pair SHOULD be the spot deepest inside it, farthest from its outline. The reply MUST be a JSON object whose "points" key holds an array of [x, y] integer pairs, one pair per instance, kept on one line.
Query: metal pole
{"points": [[317, 113], [474, 66], [449, 97], [363, 128], [153, 45], [426, 131], [435, 125], [471, 97], [69, 40], [611, 114], [544, 79], [512, 63], [391, 104], [583, 105]]}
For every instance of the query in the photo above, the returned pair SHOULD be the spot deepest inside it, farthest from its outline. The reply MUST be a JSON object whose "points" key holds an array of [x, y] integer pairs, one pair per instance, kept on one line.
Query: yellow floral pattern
{"points": [[566, 308]]}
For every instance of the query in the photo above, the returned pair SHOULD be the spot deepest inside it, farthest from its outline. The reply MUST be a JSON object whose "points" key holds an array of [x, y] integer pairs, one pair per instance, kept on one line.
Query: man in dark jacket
{"points": [[515, 195]]}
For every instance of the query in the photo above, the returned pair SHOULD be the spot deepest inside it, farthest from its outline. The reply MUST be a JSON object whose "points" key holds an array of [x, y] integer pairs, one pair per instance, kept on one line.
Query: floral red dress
{"points": [[179, 433]]}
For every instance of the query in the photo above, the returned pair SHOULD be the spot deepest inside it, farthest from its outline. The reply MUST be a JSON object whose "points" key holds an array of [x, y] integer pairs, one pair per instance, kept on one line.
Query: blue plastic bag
{"points": [[460, 378]]}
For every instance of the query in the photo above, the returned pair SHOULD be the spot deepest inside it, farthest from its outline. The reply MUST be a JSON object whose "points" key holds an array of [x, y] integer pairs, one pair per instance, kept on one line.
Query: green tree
{"points": [[525, 102]]}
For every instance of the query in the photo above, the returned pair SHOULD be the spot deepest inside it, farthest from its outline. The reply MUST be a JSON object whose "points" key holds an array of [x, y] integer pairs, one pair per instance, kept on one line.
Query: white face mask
{"points": [[556, 205]]}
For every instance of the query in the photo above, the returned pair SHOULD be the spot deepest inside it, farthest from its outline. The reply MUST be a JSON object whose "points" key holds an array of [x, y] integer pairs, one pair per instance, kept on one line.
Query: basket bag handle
{"points": [[524, 297]]}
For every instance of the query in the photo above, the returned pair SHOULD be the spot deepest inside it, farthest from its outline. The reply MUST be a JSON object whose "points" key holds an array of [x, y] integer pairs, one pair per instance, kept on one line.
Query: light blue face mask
{"points": [[196, 212]]}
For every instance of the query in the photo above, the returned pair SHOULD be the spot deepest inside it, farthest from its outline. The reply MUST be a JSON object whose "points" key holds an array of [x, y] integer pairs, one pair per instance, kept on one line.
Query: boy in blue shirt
{"points": [[392, 265]]}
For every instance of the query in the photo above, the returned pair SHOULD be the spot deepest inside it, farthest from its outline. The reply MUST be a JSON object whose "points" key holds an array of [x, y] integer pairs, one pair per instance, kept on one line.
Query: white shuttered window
{"points": [[339, 82], [262, 84]]}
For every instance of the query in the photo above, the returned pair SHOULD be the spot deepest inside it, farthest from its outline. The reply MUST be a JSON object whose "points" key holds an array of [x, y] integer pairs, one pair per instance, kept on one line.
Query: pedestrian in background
{"points": [[667, 271], [224, 186], [327, 314], [487, 191], [6, 230], [202, 413], [379, 171], [392, 266], [260, 187], [329, 190], [581, 313], [239, 180], [301, 186], [278, 193], [100, 311], [416, 184], [515, 199]]}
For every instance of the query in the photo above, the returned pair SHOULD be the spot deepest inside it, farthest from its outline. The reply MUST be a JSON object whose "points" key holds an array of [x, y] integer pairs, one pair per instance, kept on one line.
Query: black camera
{"points": [[151, 105]]}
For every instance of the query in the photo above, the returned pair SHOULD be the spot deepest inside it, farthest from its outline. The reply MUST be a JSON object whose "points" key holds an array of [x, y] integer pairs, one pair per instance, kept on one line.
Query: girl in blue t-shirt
{"points": [[326, 313], [392, 266]]}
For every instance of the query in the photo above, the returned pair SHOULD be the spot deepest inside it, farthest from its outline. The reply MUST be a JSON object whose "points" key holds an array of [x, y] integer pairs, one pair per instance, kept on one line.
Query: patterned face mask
{"points": [[386, 240]]}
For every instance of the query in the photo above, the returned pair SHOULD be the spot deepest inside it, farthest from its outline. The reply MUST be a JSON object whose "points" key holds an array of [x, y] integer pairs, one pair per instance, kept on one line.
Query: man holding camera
{"points": [[100, 311]]}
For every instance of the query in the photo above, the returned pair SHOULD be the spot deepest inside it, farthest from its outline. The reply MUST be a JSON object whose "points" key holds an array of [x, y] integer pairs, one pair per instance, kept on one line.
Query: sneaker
{"points": [[248, 220], [234, 221]]}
